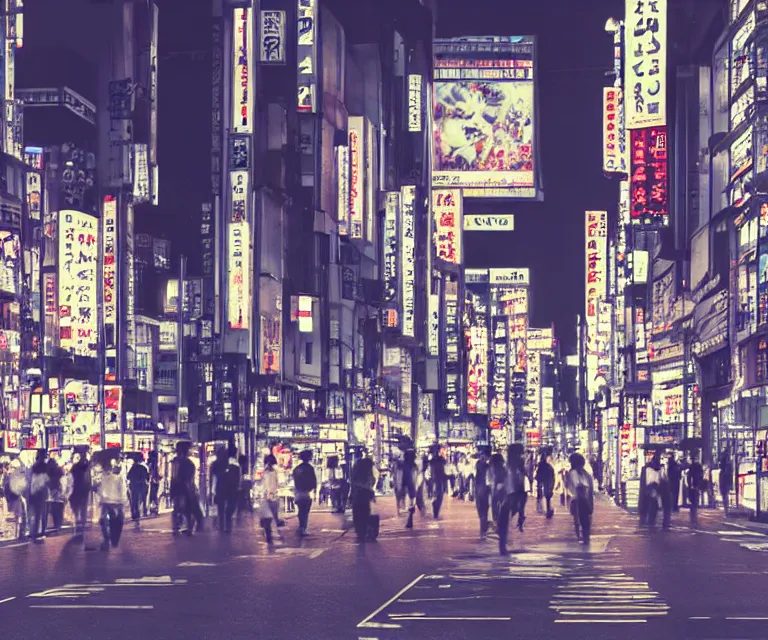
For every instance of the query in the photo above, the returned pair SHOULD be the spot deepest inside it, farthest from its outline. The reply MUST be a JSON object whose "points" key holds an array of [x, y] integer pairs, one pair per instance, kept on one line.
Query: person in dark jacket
{"points": [[138, 487], [726, 478], [304, 486], [56, 493], [482, 492], [439, 482], [81, 490], [695, 486], [363, 482], [225, 478], [545, 479], [38, 497], [182, 489], [674, 473]]}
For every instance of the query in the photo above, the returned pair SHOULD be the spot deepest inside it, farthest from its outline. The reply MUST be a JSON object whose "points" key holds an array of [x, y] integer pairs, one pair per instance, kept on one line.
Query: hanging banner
{"points": [[272, 37], [109, 270], [414, 103], [356, 177], [648, 187], [446, 212], [242, 53], [342, 173], [239, 267], [408, 260], [391, 245], [645, 69]]}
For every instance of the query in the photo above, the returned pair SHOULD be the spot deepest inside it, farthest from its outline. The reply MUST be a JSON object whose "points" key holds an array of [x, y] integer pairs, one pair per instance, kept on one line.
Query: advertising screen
{"points": [[446, 211], [646, 63], [407, 260], [78, 263], [484, 113], [648, 180]]}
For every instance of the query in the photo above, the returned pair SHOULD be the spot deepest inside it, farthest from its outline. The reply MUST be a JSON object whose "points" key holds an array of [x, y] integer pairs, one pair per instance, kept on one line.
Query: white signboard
{"points": [[34, 194], [489, 222], [433, 325], [240, 195], [140, 173], [242, 53], [356, 177], [521, 277], [613, 146], [407, 260], [272, 37], [414, 102], [645, 69], [239, 267], [109, 262], [446, 212], [342, 173], [391, 243], [78, 290]]}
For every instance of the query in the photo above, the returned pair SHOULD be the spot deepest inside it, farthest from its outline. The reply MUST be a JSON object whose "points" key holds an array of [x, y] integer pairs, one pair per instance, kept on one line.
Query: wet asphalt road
{"points": [[438, 581]]}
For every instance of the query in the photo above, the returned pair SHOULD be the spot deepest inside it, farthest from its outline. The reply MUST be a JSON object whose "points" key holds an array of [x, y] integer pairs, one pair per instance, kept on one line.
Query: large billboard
{"points": [[484, 112], [645, 69], [78, 290], [446, 212]]}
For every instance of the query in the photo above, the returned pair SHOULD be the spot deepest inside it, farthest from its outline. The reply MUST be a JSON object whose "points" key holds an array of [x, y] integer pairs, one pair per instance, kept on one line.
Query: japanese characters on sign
{"points": [[239, 267], [414, 102], [109, 269], [433, 325], [408, 260], [356, 178], [648, 178], [78, 264], [140, 172], [242, 54], [646, 63], [391, 244], [596, 258], [34, 194], [614, 133], [342, 173], [240, 195], [477, 366], [493, 222], [307, 55], [446, 211], [533, 391], [272, 37], [153, 90], [520, 277], [500, 381]]}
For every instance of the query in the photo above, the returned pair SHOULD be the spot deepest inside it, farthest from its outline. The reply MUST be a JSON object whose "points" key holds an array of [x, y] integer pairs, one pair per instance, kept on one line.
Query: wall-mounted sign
{"points": [[272, 37], [342, 173], [433, 325], [414, 102], [614, 138], [446, 212], [240, 195], [153, 90], [407, 260], [648, 182], [391, 246], [520, 277], [141, 191], [304, 314], [242, 55], [307, 55], [356, 177], [34, 194], [645, 67], [239, 268], [109, 270], [489, 222]]}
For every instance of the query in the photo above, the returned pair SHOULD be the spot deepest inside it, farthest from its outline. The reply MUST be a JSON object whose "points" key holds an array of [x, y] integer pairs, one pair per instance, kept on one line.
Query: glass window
{"points": [[721, 93], [762, 361]]}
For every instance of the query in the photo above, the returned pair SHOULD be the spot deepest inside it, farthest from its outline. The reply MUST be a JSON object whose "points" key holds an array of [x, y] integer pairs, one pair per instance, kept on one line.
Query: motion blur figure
{"points": [[183, 492], [304, 484], [138, 486], [81, 483], [363, 482], [482, 491], [695, 485], [225, 478], [545, 480], [581, 489], [112, 492], [38, 497]]}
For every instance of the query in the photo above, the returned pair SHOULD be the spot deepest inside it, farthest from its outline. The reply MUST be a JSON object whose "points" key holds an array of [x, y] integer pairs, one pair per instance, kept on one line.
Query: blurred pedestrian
{"points": [[695, 485], [439, 482], [363, 483], [497, 474], [581, 487], [225, 476], [545, 480], [518, 483], [482, 491], [56, 494], [268, 512], [81, 484], [138, 486], [183, 490], [725, 480], [674, 474], [113, 493], [38, 496], [305, 484], [652, 489]]}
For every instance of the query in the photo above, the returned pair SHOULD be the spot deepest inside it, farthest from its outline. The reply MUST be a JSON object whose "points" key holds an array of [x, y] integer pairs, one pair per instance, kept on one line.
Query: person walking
{"points": [[725, 481], [38, 497], [518, 483], [56, 496], [652, 489], [482, 491], [225, 479], [581, 488], [439, 482], [112, 493], [138, 487], [695, 485], [304, 484], [422, 488], [269, 507], [183, 491], [497, 474], [674, 473], [545, 480], [81, 483], [363, 483]]}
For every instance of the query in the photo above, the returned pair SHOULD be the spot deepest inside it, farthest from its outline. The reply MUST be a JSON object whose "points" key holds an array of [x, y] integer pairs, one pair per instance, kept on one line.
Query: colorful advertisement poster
{"points": [[648, 178], [483, 115], [645, 69], [78, 291], [446, 211]]}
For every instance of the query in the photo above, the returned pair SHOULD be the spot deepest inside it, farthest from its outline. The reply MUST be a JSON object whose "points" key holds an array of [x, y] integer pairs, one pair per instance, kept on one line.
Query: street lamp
{"points": [[612, 25]]}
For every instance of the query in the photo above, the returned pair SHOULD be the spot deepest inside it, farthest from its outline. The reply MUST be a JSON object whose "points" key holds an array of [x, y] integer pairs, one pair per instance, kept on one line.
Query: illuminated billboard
{"points": [[10, 265], [648, 177], [446, 212], [342, 186], [645, 69], [356, 177], [596, 262], [109, 269], [407, 260], [239, 268], [242, 56], [489, 222], [499, 376], [391, 244], [78, 290], [519, 277], [477, 367], [484, 112], [614, 137], [414, 103], [306, 58]]}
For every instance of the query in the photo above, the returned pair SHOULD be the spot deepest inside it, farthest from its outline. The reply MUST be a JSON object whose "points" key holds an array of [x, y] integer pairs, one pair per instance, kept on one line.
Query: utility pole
{"points": [[180, 343]]}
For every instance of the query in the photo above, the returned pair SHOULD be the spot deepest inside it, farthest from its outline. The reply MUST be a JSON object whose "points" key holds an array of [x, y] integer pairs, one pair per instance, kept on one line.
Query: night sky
{"points": [[574, 52]]}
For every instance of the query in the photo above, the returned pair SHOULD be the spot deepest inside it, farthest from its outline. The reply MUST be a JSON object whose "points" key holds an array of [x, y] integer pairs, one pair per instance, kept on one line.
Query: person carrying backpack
{"points": [[304, 485]]}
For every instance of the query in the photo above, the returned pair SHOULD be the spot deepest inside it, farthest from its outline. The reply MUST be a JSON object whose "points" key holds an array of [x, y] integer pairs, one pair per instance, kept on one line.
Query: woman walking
{"points": [[581, 489], [363, 483]]}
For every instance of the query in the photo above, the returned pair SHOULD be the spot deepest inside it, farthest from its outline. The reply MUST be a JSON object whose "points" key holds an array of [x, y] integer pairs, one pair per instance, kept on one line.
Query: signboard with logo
{"points": [[446, 211], [272, 37], [242, 55], [407, 260], [489, 222]]}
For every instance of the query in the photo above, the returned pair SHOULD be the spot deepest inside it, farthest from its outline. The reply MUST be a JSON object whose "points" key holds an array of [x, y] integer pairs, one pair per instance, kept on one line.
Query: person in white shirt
{"points": [[113, 494], [270, 486]]}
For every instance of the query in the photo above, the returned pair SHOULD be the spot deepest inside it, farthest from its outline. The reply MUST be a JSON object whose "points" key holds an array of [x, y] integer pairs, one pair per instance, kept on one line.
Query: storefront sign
{"points": [[272, 37], [520, 277], [414, 102], [109, 268], [645, 67], [482, 222], [78, 262], [342, 171], [648, 188], [391, 244], [356, 177], [407, 260], [447, 210], [240, 196], [668, 405], [242, 52], [307, 55], [239, 267]]}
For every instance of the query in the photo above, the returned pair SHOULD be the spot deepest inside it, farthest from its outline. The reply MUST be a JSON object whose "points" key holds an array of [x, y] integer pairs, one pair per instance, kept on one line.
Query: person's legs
{"points": [[503, 526], [585, 520]]}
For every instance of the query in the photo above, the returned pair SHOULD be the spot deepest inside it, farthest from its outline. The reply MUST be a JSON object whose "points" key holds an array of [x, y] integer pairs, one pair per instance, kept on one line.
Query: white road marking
{"points": [[316, 553], [746, 618], [7, 599], [455, 619], [197, 564], [125, 607], [414, 600], [15, 545], [367, 622], [700, 618], [588, 621]]}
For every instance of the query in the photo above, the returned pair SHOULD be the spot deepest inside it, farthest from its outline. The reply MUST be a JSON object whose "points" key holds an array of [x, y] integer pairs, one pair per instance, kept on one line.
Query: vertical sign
{"points": [[34, 194], [307, 55], [342, 173], [414, 103], [500, 380], [238, 291], [645, 69], [391, 244], [240, 195], [447, 214], [130, 291], [109, 269], [8, 63], [272, 37], [533, 397], [407, 260], [78, 262], [153, 89], [217, 67], [242, 48], [356, 177], [648, 188], [596, 256], [477, 366], [433, 325], [612, 155]]}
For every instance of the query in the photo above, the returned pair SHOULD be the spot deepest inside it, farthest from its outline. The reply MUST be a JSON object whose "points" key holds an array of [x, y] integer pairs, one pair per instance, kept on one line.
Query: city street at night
{"points": [[436, 581]]}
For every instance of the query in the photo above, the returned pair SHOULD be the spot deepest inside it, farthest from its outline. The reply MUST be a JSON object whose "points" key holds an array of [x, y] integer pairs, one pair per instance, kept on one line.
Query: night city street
{"points": [[437, 581]]}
